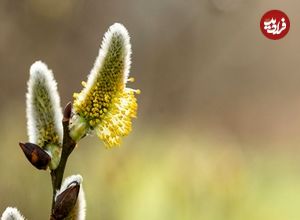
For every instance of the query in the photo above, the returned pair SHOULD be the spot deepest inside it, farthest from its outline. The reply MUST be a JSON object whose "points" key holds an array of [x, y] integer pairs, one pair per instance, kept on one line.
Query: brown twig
{"points": [[67, 148]]}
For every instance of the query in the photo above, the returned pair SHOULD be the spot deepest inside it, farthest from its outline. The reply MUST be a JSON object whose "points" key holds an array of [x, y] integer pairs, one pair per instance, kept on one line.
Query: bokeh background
{"points": [[217, 134]]}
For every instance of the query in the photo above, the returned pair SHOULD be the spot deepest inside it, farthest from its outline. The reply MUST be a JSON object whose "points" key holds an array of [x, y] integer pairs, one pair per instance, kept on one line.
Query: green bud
{"points": [[78, 127]]}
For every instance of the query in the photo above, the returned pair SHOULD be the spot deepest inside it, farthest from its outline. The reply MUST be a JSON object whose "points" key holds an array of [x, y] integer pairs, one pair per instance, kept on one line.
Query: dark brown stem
{"points": [[67, 148]]}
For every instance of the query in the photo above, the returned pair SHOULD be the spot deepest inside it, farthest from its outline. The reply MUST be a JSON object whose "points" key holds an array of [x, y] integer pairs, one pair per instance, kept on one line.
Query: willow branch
{"points": [[67, 148]]}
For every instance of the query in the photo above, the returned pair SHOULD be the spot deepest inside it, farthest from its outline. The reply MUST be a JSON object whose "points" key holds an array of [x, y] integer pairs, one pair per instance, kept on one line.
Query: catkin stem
{"points": [[67, 148]]}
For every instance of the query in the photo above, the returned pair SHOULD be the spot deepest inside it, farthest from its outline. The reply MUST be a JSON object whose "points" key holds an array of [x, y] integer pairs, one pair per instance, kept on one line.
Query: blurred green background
{"points": [[217, 134]]}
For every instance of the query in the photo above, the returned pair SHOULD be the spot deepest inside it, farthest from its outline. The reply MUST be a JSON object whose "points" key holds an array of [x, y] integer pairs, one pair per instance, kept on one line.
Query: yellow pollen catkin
{"points": [[105, 103]]}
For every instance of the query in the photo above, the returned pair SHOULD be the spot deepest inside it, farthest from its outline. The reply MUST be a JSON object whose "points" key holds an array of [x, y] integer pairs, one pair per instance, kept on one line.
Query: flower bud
{"points": [[69, 200], [67, 111], [36, 155], [65, 202]]}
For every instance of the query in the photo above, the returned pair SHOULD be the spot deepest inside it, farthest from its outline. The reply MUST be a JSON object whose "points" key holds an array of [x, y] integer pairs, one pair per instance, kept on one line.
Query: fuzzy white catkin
{"points": [[11, 214], [114, 30], [39, 73], [80, 207]]}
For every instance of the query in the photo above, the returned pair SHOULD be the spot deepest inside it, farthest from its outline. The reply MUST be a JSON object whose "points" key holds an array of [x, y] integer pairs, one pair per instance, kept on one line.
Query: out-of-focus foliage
{"points": [[204, 63], [161, 175]]}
